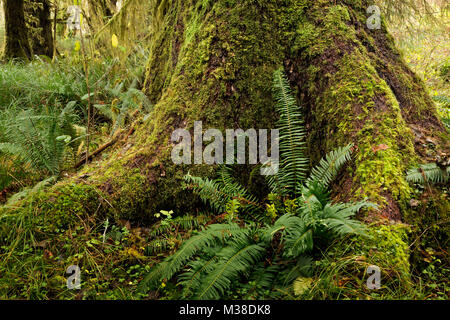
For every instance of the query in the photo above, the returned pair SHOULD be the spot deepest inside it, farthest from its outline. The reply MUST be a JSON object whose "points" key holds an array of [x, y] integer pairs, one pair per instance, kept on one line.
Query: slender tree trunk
{"points": [[17, 44], [213, 62], [38, 12]]}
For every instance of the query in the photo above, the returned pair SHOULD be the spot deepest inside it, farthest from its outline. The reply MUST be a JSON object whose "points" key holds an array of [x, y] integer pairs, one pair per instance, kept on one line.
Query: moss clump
{"points": [[388, 248], [66, 207]]}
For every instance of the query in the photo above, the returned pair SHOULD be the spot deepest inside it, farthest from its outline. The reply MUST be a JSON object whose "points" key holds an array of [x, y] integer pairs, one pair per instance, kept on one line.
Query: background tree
{"points": [[17, 44], [37, 13]]}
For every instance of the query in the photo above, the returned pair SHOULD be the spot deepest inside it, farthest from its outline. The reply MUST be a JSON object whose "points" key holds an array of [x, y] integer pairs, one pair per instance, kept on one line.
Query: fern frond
{"points": [[293, 161], [264, 278], [285, 222], [328, 168], [309, 205], [187, 222], [16, 198], [234, 190], [430, 172], [218, 193], [303, 268], [298, 241], [34, 138], [234, 260], [209, 191], [316, 192], [173, 264], [191, 279]]}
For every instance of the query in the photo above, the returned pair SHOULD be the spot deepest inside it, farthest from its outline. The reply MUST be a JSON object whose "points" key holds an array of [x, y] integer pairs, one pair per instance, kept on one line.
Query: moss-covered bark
{"points": [[37, 14], [212, 61], [17, 44]]}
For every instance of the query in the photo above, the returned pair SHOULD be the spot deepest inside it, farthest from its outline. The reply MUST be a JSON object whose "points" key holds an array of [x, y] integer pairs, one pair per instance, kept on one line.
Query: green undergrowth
{"points": [[43, 114], [424, 47], [342, 271], [113, 255]]}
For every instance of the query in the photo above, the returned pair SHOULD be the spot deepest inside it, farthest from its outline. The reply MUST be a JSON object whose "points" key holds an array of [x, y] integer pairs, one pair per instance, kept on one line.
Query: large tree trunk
{"points": [[40, 25], [213, 62], [17, 44]]}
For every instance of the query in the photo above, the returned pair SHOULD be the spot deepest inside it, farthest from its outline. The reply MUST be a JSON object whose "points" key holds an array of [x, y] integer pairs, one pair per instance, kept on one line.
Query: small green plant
{"points": [[259, 256], [168, 217], [429, 173]]}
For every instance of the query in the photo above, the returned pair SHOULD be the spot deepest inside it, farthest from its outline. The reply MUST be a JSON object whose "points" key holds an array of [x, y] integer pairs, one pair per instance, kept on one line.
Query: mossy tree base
{"points": [[212, 61]]}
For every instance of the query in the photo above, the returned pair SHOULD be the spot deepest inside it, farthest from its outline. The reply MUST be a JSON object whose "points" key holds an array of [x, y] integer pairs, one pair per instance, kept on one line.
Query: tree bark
{"points": [[213, 62], [17, 44], [38, 12]]}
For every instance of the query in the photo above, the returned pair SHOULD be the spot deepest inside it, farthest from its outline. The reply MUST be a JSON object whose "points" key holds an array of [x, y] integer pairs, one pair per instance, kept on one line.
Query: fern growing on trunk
{"points": [[270, 255]]}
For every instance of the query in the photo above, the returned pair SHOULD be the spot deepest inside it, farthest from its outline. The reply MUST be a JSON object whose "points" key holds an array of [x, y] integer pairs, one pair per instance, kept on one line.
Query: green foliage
{"points": [[124, 104], [443, 100], [444, 109], [41, 118], [293, 162], [39, 84], [220, 192], [38, 140], [329, 167], [341, 273], [215, 260], [260, 256], [429, 173], [43, 113]]}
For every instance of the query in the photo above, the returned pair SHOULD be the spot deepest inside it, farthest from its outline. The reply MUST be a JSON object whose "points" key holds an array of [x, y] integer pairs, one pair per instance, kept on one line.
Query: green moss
{"points": [[343, 270], [387, 248], [430, 221], [385, 153], [66, 207], [359, 106], [351, 101]]}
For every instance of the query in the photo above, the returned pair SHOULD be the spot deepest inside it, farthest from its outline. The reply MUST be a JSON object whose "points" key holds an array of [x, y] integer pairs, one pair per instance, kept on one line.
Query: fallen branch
{"points": [[108, 144], [96, 152]]}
